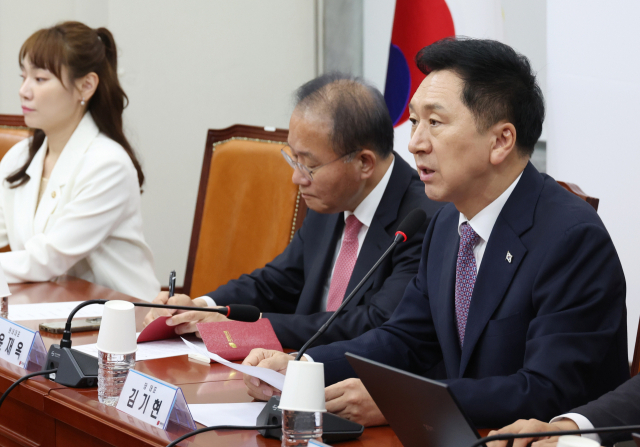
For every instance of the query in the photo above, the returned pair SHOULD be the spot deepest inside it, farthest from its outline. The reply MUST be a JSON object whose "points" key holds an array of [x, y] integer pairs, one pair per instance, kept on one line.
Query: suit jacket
{"points": [[545, 332], [289, 289], [616, 408], [88, 223]]}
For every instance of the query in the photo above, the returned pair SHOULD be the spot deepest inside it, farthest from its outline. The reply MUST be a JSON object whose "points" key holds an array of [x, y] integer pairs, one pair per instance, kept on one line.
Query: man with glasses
{"points": [[357, 191]]}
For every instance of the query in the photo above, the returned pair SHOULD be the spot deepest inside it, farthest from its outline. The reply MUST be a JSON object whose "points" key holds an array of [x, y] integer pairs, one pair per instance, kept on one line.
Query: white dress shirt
{"points": [[582, 422], [483, 222], [364, 213]]}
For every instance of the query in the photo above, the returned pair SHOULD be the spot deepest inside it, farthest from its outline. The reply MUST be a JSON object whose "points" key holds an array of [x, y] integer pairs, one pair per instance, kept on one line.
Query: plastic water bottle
{"points": [[298, 427], [4, 308], [112, 372]]}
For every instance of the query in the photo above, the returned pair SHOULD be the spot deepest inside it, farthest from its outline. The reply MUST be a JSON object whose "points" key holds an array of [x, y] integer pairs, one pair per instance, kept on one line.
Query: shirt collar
{"points": [[367, 208], [483, 222]]}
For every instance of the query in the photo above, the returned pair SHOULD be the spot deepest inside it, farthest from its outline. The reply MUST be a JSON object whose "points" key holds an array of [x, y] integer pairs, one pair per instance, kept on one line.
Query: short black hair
{"points": [[358, 111], [499, 84]]}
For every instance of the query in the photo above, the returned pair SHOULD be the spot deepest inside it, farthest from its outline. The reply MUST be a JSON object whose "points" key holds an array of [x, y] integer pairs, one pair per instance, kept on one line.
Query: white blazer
{"points": [[88, 223]]}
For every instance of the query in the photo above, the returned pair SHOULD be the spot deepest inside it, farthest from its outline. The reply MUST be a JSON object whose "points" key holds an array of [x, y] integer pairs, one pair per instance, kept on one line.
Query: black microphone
{"points": [[79, 370], [512, 436], [407, 228]]}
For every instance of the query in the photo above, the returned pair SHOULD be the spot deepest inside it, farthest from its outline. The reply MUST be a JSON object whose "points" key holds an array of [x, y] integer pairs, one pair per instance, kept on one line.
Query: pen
{"points": [[172, 283]]}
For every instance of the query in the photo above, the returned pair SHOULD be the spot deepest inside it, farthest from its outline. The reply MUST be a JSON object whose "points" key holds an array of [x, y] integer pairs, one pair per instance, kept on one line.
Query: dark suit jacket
{"points": [[545, 332], [619, 407], [289, 289]]}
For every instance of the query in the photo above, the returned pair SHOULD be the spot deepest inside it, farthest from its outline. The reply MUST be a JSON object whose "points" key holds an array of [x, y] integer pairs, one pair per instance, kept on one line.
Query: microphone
{"points": [[335, 428], [407, 228], [79, 370], [512, 436]]}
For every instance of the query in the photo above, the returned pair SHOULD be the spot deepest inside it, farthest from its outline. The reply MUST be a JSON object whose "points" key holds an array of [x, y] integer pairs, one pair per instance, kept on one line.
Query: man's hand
{"points": [[349, 399], [532, 426], [176, 300], [186, 321], [264, 358]]}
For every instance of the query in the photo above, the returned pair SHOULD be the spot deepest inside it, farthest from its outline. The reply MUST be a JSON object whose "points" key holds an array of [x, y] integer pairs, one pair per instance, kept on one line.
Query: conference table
{"points": [[41, 412]]}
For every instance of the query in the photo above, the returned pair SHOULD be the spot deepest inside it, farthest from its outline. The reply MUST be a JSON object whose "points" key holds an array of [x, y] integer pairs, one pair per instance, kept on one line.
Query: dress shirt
{"points": [[483, 222], [582, 422], [364, 212]]}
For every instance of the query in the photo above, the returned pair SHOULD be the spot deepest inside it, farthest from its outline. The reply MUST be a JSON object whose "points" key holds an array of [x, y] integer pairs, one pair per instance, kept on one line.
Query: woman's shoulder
{"points": [[105, 150]]}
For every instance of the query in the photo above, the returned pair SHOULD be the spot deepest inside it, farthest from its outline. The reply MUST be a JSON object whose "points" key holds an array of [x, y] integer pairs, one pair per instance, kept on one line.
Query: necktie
{"points": [[466, 273], [344, 264]]}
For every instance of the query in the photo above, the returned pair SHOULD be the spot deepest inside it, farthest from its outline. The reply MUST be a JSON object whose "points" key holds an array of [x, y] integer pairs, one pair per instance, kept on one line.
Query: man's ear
{"points": [[87, 85], [503, 142], [367, 160]]}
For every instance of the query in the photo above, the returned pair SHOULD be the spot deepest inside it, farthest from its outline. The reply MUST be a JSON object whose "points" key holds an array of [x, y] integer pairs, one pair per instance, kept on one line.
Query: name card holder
{"points": [[153, 401], [21, 346]]}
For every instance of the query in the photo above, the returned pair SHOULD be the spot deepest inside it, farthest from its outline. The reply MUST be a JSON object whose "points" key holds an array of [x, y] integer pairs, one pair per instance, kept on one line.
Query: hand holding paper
{"points": [[273, 378], [268, 359]]}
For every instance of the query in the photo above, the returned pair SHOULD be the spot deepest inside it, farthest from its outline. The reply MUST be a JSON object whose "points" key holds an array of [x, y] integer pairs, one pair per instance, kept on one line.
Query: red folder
{"points": [[233, 340]]}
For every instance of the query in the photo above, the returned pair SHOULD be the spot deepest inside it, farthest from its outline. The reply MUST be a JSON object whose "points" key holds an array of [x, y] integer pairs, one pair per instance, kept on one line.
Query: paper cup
{"points": [[118, 328], [303, 387], [576, 441]]}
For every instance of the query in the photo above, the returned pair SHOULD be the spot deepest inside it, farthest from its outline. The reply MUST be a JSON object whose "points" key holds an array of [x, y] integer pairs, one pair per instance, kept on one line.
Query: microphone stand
{"points": [[79, 370]]}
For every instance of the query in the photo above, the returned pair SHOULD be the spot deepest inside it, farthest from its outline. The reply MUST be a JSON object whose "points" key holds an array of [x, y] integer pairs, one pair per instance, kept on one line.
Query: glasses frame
{"points": [[304, 170]]}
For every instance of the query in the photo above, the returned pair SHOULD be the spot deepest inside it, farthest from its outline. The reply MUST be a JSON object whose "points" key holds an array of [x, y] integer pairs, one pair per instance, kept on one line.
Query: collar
{"points": [[483, 222], [82, 137], [367, 208]]}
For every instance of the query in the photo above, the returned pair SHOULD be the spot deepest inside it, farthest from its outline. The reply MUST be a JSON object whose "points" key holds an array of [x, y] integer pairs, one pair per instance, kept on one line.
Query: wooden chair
{"points": [[248, 208], [571, 187], [12, 131]]}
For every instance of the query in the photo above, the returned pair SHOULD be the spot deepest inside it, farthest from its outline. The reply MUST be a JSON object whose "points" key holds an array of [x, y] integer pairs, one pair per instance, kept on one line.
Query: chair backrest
{"points": [[248, 208], [571, 187], [12, 131]]}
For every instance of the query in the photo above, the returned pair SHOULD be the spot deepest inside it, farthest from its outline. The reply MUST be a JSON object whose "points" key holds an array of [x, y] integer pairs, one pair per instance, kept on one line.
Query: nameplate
{"points": [[153, 401], [21, 346]]}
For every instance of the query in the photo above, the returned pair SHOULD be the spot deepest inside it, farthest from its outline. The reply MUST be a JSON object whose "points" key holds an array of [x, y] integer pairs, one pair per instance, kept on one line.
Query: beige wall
{"points": [[187, 67]]}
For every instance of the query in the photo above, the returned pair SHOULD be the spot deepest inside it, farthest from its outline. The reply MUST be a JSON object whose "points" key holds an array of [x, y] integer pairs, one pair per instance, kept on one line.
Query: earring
{"points": [[82, 102]]}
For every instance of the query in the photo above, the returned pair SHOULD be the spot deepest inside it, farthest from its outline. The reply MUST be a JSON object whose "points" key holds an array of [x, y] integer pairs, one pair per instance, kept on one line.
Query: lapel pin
{"points": [[509, 257]]}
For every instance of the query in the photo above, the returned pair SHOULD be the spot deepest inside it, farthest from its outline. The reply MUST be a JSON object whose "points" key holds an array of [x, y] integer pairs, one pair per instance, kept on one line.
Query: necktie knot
{"points": [[352, 228], [468, 237]]}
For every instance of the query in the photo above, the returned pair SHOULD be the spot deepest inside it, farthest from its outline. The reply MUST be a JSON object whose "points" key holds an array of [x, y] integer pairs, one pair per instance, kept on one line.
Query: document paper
{"points": [[150, 350], [227, 414], [273, 378], [52, 311]]}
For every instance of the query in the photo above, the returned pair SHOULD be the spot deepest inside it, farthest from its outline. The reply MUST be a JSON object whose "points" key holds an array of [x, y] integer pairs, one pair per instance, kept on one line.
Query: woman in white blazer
{"points": [[70, 195]]}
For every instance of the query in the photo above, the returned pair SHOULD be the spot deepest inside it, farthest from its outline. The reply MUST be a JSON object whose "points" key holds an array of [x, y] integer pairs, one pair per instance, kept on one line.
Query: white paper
{"points": [[52, 311], [273, 378], [226, 414], [150, 350], [15, 342]]}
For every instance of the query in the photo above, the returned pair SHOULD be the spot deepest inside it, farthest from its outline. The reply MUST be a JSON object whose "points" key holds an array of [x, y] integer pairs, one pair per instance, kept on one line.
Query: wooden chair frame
{"points": [[214, 138]]}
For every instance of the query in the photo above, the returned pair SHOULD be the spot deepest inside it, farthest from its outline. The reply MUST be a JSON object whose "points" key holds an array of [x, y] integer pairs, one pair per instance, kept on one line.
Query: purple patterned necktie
{"points": [[465, 276]]}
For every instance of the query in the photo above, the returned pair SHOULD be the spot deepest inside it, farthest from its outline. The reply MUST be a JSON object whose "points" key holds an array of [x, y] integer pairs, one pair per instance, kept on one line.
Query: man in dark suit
{"points": [[616, 408], [520, 296], [357, 192]]}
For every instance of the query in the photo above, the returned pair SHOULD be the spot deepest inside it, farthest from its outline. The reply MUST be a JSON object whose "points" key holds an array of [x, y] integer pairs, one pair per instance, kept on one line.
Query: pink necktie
{"points": [[344, 264], [466, 273]]}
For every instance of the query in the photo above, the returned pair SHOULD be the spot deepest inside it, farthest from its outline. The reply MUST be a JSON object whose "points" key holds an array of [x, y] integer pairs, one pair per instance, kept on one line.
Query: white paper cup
{"points": [[303, 387], [576, 441], [118, 328]]}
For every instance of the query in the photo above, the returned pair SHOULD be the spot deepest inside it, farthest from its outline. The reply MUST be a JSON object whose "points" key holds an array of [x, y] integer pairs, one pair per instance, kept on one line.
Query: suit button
{"points": [[53, 194]]}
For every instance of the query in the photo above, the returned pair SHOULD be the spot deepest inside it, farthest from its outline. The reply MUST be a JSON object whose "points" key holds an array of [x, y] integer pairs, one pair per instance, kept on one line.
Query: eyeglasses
{"points": [[304, 170]]}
